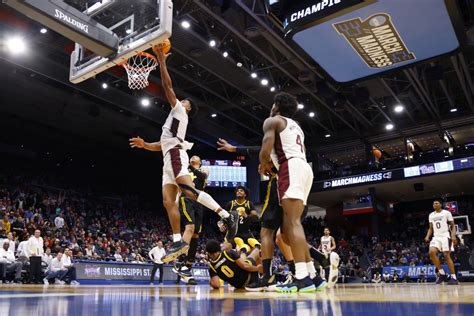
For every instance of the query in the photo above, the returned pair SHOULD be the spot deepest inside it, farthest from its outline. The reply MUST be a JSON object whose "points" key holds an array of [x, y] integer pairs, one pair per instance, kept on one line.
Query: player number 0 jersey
{"points": [[440, 223]]}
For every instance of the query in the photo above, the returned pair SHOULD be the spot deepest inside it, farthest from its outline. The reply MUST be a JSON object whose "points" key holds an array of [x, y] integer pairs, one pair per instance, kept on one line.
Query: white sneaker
{"points": [[74, 282], [59, 282], [45, 281]]}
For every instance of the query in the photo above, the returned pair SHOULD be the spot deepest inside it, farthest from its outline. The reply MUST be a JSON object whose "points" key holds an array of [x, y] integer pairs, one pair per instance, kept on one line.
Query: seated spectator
{"points": [[118, 257], [46, 258], [55, 271], [396, 277], [421, 277], [377, 278], [10, 265], [66, 261], [386, 277]]}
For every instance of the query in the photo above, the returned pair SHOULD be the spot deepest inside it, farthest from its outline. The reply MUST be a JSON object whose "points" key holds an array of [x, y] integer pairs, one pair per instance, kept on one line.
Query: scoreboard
{"points": [[225, 173]]}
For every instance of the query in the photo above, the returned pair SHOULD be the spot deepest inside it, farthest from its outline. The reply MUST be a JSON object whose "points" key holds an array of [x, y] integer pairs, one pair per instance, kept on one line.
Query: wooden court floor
{"points": [[90, 300]]}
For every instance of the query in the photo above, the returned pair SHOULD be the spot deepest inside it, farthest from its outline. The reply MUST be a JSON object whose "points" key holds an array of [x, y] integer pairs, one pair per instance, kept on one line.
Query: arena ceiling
{"points": [[345, 116]]}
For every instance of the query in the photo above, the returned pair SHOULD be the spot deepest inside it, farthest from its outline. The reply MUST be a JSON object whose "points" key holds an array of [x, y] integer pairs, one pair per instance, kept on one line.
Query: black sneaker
{"points": [[441, 278], [177, 249], [453, 281], [305, 285], [261, 285], [319, 283], [192, 281], [231, 223]]}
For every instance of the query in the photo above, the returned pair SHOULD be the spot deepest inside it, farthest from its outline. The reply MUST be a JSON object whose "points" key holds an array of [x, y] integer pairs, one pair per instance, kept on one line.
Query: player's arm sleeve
{"points": [[248, 150], [228, 206]]}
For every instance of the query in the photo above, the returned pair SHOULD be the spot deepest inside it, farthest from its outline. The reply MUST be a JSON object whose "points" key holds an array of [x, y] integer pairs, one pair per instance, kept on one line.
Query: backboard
{"points": [[462, 225], [138, 24], [106, 32]]}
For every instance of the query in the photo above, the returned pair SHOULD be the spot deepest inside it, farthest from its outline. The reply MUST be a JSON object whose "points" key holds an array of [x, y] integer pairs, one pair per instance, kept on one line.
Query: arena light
{"points": [[453, 110], [128, 31], [16, 45], [264, 82], [145, 102], [44, 31], [272, 89], [399, 108], [389, 126], [225, 54], [300, 106], [212, 43], [213, 115], [253, 75], [311, 114], [327, 135], [239, 64], [104, 85], [185, 24]]}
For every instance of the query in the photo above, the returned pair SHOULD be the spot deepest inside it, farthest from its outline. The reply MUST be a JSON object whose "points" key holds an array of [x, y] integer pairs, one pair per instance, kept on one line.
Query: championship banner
{"points": [[353, 40], [97, 270], [415, 271]]}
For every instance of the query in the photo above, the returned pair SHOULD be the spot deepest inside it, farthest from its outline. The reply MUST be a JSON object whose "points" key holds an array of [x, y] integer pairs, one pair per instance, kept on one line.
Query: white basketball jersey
{"points": [[174, 129], [289, 143], [326, 244], [440, 223]]}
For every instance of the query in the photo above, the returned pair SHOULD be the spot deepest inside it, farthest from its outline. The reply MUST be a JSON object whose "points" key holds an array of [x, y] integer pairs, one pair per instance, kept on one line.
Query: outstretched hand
{"points": [[224, 145], [137, 142], [157, 49]]}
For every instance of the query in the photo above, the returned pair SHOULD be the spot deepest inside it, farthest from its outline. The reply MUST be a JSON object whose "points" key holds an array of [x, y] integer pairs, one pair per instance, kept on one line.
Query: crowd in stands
{"points": [[118, 230]]}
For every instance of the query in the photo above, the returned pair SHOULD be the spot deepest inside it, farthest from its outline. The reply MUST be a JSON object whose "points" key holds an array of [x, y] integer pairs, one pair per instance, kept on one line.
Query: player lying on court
{"points": [[175, 162], [271, 218], [230, 267], [444, 239]]}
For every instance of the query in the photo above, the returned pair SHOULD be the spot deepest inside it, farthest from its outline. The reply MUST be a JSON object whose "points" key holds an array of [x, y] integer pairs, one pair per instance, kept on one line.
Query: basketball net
{"points": [[138, 69]]}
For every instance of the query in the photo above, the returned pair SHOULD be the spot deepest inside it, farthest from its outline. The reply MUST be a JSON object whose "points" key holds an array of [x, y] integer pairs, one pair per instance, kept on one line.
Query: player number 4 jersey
{"points": [[289, 143], [440, 223]]}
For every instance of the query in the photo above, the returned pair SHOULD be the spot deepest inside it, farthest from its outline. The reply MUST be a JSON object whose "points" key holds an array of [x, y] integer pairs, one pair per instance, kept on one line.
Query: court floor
{"points": [[90, 300]]}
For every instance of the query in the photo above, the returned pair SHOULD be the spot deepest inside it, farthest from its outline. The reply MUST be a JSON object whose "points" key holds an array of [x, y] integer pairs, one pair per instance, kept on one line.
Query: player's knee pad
{"points": [[188, 188]]}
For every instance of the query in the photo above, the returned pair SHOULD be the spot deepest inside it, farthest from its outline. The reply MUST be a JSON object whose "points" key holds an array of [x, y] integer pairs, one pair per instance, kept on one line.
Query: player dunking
{"points": [[175, 162], [444, 237], [283, 144]]}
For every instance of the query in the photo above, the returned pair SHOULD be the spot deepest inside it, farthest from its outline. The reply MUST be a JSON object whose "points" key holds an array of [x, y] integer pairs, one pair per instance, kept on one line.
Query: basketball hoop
{"points": [[138, 69]]}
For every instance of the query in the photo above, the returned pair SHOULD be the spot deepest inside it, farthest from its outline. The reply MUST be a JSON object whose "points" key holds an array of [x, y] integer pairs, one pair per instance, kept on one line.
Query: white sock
{"points": [[453, 276], [441, 272], [301, 270], [311, 269], [207, 200], [176, 237]]}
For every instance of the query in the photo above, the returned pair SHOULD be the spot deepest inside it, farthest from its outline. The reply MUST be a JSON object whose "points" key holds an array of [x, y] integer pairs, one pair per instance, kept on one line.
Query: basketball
{"points": [[377, 153], [165, 46]]}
